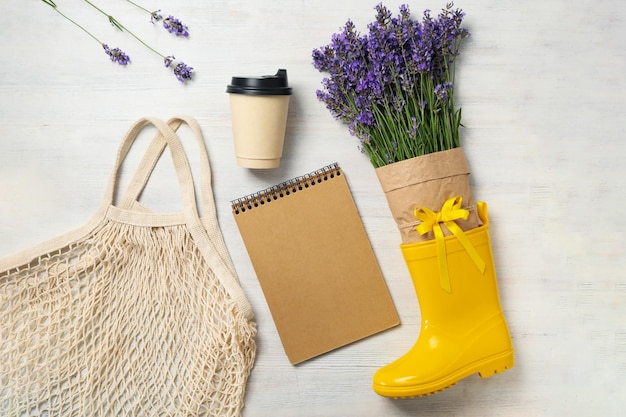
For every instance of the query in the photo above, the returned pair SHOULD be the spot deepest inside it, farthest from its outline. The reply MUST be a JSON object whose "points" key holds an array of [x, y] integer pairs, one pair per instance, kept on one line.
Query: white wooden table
{"points": [[542, 86]]}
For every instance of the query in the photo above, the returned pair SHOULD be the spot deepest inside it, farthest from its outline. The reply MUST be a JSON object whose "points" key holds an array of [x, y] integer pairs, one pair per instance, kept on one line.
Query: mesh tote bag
{"points": [[134, 314]]}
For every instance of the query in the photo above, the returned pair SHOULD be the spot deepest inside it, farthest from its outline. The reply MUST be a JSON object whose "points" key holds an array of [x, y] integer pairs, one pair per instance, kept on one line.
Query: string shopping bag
{"points": [[134, 314]]}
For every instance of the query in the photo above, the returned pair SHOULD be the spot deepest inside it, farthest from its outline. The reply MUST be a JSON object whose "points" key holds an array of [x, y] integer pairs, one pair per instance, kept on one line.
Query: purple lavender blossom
{"points": [[365, 118], [442, 91], [116, 55], [182, 71], [413, 131], [175, 26]]}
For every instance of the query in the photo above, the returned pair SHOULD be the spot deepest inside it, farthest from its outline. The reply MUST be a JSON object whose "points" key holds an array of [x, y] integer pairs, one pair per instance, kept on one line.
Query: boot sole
{"points": [[485, 368]]}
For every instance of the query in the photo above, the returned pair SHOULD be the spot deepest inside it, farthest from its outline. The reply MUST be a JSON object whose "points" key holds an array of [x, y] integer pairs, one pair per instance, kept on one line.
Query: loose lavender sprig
{"points": [[171, 24], [116, 54], [394, 85], [184, 73]]}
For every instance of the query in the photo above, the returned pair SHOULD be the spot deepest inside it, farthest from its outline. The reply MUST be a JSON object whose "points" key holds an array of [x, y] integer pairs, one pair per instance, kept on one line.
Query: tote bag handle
{"points": [[152, 156], [181, 164]]}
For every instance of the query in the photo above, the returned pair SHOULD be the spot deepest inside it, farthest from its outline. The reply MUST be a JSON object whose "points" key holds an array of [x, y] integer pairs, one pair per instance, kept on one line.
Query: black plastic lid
{"points": [[266, 85]]}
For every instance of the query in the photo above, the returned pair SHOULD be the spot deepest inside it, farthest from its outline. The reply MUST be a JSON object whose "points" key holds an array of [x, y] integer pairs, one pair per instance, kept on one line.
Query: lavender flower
{"points": [[182, 71], [175, 26], [413, 132], [442, 91], [116, 55], [393, 86]]}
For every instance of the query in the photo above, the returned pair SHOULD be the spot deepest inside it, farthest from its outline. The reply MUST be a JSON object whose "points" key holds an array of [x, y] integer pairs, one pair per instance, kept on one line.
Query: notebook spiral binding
{"points": [[285, 188]]}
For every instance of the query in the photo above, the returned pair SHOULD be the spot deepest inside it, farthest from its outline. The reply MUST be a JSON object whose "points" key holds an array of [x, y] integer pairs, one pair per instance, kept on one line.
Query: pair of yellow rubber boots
{"points": [[463, 330]]}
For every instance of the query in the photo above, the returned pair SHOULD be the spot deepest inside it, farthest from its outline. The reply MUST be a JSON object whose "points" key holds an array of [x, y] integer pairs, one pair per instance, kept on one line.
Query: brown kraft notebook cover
{"points": [[315, 263]]}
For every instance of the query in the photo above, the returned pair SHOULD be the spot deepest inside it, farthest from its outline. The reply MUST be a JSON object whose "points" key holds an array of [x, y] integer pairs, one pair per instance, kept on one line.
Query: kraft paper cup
{"points": [[259, 107]]}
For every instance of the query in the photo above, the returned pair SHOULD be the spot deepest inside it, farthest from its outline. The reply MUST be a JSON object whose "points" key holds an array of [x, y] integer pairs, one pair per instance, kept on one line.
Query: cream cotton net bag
{"points": [[134, 314]]}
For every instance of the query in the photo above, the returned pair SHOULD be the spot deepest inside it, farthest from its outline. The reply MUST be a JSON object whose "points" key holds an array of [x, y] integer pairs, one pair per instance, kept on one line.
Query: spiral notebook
{"points": [[315, 263]]}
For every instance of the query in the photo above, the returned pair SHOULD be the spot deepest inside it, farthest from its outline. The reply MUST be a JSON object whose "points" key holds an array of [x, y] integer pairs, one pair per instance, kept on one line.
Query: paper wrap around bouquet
{"points": [[427, 181]]}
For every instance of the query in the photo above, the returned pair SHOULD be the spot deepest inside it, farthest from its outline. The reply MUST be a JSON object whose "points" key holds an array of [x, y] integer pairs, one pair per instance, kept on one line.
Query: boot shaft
{"points": [[474, 294]]}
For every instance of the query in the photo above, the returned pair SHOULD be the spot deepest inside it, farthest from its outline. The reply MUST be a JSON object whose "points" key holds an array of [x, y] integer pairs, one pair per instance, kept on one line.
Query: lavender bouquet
{"points": [[394, 88]]}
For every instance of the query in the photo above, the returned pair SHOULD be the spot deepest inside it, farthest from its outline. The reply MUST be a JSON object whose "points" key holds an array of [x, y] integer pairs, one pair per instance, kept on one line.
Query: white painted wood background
{"points": [[542, 87]]}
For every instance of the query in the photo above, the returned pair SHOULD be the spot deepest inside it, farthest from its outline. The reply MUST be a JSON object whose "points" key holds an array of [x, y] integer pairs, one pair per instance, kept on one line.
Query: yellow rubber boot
{"points": [[463, 331]]}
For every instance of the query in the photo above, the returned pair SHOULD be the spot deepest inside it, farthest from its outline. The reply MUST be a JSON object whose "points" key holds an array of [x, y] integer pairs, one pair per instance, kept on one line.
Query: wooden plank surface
{"points": [[542, 86]]}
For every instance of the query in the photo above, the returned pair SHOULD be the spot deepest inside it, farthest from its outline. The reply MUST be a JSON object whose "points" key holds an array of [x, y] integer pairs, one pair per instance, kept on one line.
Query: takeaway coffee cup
{"points": [[258, 108]]}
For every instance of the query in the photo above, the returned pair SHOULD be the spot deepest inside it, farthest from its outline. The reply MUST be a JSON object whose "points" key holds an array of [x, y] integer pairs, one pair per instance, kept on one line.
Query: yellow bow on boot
{"points": [[463, 330], [430, 221]]}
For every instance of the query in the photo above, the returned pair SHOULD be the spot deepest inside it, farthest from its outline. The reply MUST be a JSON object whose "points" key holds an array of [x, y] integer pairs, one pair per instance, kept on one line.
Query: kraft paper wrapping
{"points": [[427, 181]]}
